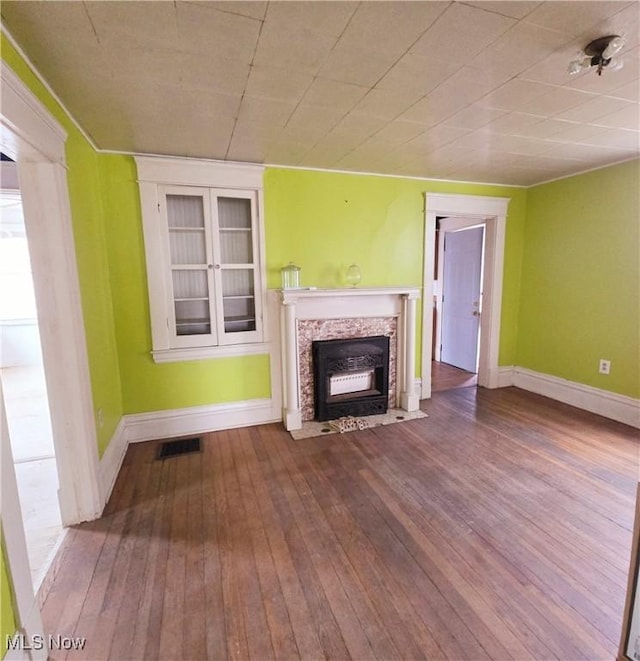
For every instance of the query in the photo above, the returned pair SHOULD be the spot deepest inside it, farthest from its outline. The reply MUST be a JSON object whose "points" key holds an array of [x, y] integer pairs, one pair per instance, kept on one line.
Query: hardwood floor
{"points": [[497, 528], [448, 377]]}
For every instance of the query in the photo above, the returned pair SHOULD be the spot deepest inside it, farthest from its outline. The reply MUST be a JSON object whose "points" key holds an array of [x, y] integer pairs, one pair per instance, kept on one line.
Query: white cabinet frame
{"points": [[156, 175]]}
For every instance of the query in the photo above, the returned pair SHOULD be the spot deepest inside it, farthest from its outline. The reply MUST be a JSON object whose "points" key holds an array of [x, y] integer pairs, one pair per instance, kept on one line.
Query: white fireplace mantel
{"points": [[303, 304]]}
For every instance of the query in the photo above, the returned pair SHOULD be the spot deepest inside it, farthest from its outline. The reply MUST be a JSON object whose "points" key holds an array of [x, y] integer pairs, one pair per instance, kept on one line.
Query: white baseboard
{"points": [[505, 376], [111, 461], [199, 419], [610, 405]]}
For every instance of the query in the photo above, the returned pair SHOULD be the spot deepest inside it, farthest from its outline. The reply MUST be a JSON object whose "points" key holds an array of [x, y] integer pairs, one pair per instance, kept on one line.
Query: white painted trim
{"points": [[492, 212], [199, 172], [505, 376], [581, 172], [198, 419], [359, 173], [204, 353], [27, 615], [111, 461], [27, 118], [610, 405], [38, 143]]}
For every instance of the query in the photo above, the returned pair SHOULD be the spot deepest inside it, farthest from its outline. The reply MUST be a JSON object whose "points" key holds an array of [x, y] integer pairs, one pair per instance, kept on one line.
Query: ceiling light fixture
{"points": [[599, 53]]}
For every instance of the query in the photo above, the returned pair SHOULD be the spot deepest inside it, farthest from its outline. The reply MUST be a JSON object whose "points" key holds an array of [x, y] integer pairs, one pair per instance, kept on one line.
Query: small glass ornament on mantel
{"points": [[354, 275], [290, 275]]}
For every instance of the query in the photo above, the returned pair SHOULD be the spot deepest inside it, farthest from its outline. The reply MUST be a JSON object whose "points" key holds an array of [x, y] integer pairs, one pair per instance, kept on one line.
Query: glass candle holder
{"points": [[354, 275], [290, 275]]}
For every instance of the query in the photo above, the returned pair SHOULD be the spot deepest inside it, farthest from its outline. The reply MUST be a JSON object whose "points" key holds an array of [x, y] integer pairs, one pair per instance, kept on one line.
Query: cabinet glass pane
{"points": [[239, 314], [236, 247], [192, 317], [190, 284], [185, 211], [237, 282], [191, 302], [187, 247], [234, 212], [238, 300]]}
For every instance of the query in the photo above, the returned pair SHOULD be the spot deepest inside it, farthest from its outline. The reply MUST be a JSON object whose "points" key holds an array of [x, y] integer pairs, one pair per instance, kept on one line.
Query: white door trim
{"points": [[27, 615], [30, 135], [492, 212]]}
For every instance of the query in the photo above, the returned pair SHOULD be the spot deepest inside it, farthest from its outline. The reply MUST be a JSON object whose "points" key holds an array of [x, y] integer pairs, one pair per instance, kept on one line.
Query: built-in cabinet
{"points": [[204, 257]]}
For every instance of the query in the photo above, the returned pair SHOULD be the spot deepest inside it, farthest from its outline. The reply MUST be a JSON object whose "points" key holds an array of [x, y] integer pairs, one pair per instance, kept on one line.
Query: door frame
{"points": [[492, 213], [31, 136], [447, 225]]}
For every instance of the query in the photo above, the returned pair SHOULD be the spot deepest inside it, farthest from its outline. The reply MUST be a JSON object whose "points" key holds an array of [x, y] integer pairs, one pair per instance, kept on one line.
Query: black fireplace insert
{"points": [[351, 377]]}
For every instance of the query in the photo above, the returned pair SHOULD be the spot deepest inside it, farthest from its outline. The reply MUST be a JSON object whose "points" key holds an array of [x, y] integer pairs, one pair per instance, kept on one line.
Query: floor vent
{"points": [[175, 448]]}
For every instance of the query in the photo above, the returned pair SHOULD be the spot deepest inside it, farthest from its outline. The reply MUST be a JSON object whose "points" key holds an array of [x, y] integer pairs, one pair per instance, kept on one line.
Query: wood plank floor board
{"points": [[374, 575], [534, 549], [497, 528], [321, 611]]}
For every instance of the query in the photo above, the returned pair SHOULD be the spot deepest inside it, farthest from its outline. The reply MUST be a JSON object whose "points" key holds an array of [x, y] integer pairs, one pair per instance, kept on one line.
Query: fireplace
{"points": [[351, 377], [309, 315]]}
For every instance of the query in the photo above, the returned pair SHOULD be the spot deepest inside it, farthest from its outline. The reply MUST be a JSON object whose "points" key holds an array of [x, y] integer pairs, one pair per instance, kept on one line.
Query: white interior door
{"points": [[461, 287]]}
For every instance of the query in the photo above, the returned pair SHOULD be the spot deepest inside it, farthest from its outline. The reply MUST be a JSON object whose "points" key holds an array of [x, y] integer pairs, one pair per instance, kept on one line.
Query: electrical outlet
{"points": [[605, 366]]}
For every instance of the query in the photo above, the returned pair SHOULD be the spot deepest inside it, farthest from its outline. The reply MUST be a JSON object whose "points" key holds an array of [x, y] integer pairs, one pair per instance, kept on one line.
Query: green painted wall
{"points": [[7, 616], [147, 386], [580, 293], [89, 232], [325, 221]]}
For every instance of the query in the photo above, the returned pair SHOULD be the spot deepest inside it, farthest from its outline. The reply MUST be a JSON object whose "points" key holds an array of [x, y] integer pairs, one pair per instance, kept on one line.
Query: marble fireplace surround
{"points": [[310, 314]]}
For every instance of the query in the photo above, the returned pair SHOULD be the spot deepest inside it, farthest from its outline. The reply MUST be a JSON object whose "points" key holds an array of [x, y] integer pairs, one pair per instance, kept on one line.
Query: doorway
{"points": [[24, 386], [491, 213], [458, 302]]}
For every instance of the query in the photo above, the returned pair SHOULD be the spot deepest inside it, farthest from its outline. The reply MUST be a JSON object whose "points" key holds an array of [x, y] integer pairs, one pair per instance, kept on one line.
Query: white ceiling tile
{"points": [[468, 84], [630, 91], [328, 18], [265, 112], [547, 128], [356, 126], [386, 104], [595, 107], [333, 94], [322, 156], [248, 149], [277, 84], [437, 137], [573, 17], [302, 51], [556, 101], [513, 123], [396, 133], [397, 25], [235, 35], [617, 139], [357, 65], [419, 73], [518, 9], [152, 25], [313, 120], [229, 77], [519, 49], [627, 118], [516, 95], [461, 33], [249, 8], [169, 78], [286, 153], [474, 116], [433, 109]]}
